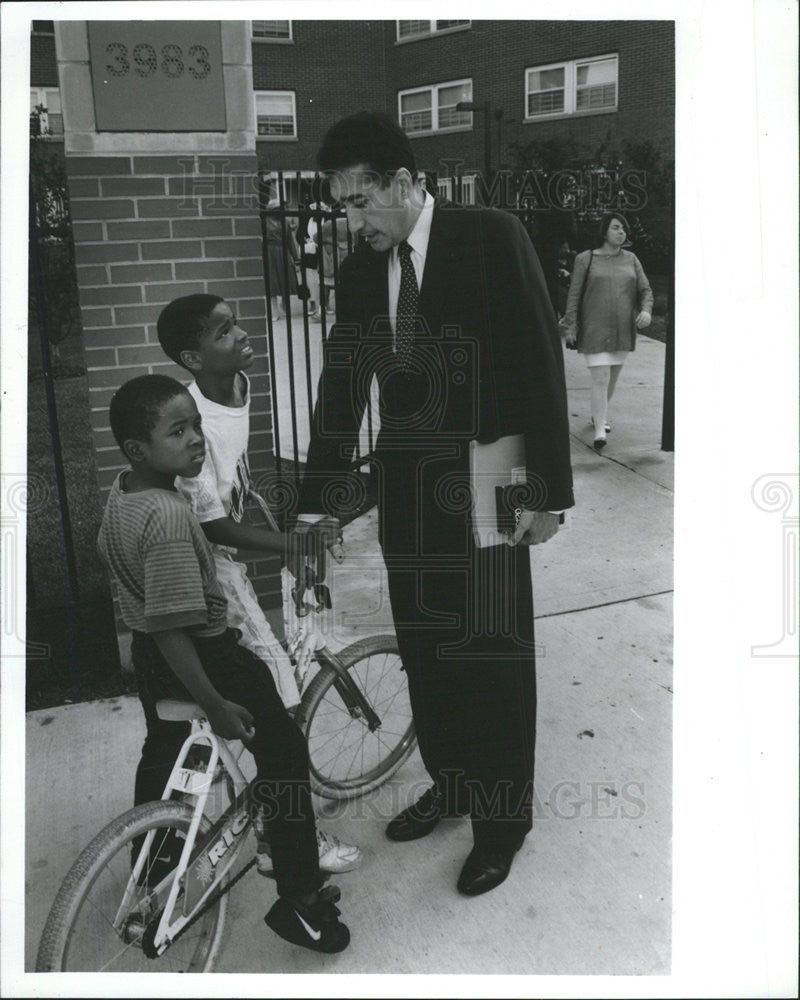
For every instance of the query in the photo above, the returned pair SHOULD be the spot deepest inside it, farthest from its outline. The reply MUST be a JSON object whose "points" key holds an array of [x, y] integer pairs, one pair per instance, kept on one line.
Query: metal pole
{"points": [[487, 143], [668, 409]]}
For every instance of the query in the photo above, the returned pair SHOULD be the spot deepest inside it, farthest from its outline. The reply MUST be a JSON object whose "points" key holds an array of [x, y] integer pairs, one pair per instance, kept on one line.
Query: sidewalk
{"points": [[589, 892]]}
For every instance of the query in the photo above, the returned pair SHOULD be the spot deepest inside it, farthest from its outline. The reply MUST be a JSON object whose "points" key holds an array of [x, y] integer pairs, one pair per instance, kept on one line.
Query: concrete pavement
{"points": [[589, 892]]}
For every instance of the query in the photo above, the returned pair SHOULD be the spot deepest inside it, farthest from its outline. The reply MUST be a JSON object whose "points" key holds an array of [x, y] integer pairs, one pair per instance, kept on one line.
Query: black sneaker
{"points": [[315, 926]]}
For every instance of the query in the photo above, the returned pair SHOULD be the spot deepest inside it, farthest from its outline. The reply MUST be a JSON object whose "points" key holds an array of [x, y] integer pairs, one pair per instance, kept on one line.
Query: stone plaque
{"points": [[157, 76]]}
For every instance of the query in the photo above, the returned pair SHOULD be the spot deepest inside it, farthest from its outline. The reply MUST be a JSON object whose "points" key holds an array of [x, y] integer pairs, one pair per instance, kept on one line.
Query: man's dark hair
{"points": [[606, 221], [137, 405], [367, 137], [181, 323]]}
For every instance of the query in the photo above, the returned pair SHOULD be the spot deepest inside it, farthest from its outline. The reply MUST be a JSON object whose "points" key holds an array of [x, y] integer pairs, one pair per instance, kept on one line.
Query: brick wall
{"points": [[335, 68], [495, 55], [338, 67], [147, 229]]}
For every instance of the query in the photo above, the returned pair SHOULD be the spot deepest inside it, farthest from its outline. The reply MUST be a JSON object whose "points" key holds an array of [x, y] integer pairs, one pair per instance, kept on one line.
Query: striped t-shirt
{"points": [[162, 563]]}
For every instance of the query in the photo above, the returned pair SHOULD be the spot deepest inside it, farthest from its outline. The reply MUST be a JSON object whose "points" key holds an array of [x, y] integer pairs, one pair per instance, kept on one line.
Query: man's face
{"points": [[382, 215], [223, 348], [176, 446]]}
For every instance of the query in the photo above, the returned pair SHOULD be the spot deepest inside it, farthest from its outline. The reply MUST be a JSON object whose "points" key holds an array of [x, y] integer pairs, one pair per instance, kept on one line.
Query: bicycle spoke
{"points": [[347, 755]]}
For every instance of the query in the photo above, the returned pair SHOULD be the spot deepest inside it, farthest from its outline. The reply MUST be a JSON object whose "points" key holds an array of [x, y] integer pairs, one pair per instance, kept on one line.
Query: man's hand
{"points": [[329, 533], [325, 536], [535, 526], [231, 721], [296, 549]]}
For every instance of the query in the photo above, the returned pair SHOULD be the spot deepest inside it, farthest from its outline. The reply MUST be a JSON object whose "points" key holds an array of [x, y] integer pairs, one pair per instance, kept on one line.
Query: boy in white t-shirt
{"points": [[201, 334]]}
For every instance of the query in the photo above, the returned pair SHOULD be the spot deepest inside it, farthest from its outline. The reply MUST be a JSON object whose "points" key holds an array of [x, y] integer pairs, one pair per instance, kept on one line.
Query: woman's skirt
{"points": [[606, 358]]}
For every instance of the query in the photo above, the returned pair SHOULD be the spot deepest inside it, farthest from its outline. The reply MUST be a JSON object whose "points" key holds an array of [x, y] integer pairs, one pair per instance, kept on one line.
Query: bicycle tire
{"points": [[76, 937], [342, 766]]}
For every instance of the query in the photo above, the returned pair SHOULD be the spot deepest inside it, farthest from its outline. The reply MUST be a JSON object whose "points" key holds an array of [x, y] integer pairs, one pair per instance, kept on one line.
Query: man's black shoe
{"points": [[484, 869], [418, 820]]}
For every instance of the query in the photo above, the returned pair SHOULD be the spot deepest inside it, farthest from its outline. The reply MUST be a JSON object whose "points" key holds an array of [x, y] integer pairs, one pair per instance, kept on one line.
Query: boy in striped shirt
{"points": [[171, 600]]}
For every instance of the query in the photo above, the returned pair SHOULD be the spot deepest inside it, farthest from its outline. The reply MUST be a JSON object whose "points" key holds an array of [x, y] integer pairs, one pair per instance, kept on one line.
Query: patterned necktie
{"points": [[406, 306]]}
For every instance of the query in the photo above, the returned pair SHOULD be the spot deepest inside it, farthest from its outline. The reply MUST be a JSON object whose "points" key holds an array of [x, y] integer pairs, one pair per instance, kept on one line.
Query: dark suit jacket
{"points": [[491, 359]]}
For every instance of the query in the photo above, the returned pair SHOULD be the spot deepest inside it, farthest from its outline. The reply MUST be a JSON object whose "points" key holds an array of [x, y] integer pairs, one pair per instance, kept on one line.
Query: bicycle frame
{"points": [[203, 866]]}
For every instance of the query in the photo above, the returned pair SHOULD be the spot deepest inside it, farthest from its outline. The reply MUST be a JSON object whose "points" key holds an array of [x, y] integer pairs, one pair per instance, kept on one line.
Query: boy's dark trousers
{"points": [[279, 748]]}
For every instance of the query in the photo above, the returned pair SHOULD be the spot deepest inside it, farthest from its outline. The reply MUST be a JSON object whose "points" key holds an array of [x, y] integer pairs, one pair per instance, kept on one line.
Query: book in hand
{"points": [[499, 489]]}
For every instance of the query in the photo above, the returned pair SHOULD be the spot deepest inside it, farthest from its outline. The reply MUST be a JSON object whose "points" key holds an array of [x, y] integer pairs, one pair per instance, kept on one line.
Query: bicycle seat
{"points": [[175, 710]]}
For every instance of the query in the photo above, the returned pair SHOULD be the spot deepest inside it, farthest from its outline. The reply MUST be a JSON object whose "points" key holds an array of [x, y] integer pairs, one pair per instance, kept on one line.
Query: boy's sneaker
{"points": [[334, 856], [315, 926]]}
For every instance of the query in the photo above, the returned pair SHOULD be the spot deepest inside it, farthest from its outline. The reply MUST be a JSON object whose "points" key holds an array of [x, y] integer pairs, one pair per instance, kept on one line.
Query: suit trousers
{"points": [[466, 636]]}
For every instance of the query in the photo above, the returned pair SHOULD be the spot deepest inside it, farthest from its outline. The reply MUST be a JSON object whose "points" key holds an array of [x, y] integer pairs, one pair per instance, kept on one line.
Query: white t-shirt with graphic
{"points": [[221, 488]]}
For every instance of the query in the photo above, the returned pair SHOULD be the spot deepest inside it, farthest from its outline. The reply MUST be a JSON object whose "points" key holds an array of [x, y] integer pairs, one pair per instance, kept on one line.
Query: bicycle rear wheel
{"points": [[79, 935], [347, 760]]}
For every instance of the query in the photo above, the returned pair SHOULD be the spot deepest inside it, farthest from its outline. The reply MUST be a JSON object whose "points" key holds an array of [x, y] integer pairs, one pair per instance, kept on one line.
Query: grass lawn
{"points": [[72, 654]]}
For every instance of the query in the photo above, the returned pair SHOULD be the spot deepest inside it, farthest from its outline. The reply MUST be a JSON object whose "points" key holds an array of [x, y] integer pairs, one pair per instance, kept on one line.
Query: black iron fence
{"points": [[304, 244]]}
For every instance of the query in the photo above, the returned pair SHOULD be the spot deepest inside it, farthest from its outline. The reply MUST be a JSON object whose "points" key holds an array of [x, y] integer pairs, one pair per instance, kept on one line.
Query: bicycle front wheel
{"points": [[347, 759], [79, 935]]}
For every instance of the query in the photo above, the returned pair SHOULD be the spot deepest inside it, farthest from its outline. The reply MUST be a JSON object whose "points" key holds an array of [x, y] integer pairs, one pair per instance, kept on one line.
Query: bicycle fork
{"points": [[354, 699]]}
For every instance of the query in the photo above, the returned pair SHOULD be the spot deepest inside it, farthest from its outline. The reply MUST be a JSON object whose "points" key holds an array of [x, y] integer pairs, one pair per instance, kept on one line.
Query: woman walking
{"points": [[282, 252], [609, 300]]}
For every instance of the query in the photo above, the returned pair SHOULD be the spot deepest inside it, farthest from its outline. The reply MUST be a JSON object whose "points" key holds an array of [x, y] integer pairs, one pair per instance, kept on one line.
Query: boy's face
{"points": [[222, 348], [176, 446]]}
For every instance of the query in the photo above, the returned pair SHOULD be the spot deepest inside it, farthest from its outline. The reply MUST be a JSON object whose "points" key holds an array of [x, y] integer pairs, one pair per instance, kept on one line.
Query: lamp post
{"points": [[487, 137]]}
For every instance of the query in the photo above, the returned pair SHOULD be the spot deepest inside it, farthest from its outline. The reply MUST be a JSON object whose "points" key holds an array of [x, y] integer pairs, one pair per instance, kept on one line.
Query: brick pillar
{"points": [[155, 216]]}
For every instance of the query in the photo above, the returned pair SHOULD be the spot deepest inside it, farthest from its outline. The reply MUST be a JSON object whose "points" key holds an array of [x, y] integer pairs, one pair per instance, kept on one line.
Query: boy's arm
{"points": [[226, 531], [293, 546], [228, 720]]}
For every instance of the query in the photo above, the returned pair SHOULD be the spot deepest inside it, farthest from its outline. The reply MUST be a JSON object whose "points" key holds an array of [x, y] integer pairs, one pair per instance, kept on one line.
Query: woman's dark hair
{"points": [[137, 405], [367, 137], [606, 221], [182, 321]]}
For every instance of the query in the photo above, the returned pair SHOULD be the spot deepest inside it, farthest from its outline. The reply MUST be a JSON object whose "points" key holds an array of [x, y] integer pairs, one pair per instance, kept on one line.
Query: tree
{"points": [[52, 285]]}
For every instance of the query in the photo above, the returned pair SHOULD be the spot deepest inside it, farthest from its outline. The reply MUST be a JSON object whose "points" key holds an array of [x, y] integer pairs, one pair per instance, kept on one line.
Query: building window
{"points": [[275, 114], [408, 30], [583, 85], [271, 31], [460, 189], [433, 109], [49, 121]]}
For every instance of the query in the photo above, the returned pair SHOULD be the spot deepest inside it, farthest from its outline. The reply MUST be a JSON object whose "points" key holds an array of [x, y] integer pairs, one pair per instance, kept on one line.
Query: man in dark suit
{"points": [[447, 306]]}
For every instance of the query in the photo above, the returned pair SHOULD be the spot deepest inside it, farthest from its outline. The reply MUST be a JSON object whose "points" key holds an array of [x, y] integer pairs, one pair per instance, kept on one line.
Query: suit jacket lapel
{"points": [[441, 267]]}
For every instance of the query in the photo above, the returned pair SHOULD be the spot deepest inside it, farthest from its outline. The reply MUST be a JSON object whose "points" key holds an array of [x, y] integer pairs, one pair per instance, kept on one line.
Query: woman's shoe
{"points": [[608, 426], [599, 444]]}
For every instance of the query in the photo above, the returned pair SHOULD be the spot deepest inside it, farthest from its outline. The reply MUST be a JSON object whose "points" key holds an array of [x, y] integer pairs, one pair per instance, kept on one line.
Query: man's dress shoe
{"points": [[484, 869], [417, 820]]}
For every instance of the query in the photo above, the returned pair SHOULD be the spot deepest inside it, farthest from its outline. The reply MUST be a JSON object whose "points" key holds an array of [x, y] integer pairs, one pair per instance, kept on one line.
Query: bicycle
{"points": [[124, 907]]}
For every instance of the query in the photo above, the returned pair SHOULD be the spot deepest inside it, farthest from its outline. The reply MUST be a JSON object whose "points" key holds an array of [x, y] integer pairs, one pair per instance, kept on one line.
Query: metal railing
{"points": [[304, 244]]}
